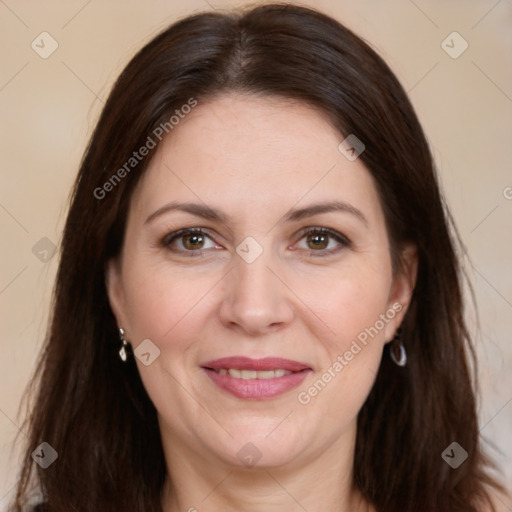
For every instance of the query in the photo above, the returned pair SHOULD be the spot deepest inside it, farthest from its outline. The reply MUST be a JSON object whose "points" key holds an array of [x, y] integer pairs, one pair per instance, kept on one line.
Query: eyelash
{"points": [[340, 238]]}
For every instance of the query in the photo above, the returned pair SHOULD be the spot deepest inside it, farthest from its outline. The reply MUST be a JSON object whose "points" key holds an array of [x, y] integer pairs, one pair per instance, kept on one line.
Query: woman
{"points": [[258, 304]]}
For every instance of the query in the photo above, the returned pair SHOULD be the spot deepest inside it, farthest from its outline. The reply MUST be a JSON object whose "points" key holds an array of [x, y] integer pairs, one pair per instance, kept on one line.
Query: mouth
{"points": [[252, 374], [256, 379]]}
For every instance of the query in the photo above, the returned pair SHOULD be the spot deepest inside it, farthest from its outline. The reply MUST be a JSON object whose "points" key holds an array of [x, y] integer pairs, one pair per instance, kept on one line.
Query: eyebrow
{"points": [[199, 210], [316, 209], [209, 213]]}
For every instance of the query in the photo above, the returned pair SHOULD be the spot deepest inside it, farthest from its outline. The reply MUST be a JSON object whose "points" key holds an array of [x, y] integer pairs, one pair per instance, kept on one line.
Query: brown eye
{"points": [[193, 241], [323, 241], [189, 241], [318, 241]]}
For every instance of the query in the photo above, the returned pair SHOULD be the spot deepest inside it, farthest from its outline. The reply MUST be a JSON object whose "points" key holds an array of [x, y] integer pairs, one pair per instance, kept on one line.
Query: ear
{"points": [[115, 291], [402, 289]]}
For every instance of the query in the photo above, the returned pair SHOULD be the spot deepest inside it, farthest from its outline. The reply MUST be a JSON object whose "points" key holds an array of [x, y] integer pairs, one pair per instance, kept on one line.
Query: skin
{"points": [[255, 159]]}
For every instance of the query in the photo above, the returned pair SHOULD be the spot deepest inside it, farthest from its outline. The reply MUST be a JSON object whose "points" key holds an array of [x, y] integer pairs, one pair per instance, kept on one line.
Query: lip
{"points": [[246, 363], [256, 389]]}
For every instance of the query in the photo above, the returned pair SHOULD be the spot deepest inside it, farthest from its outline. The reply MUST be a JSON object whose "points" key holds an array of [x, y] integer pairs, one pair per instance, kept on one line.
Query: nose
{"points": [[256, 300]]}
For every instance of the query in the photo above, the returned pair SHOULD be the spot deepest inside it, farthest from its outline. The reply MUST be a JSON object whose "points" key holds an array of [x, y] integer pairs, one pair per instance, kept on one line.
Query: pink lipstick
{"points": [[256, 379]]}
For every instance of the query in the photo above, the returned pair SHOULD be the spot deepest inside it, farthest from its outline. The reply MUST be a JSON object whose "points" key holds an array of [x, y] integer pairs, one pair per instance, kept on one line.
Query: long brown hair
{"points": [[95, 412]]}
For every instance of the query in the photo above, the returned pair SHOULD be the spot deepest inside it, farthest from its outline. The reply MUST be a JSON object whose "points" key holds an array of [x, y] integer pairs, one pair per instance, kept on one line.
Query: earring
{"points": [[123, 354], [401, 360]]}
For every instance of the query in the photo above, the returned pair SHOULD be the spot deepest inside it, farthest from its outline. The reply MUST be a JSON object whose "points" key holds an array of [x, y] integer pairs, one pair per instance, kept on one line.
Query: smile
{"points": [[255, 379], [252, 374]]}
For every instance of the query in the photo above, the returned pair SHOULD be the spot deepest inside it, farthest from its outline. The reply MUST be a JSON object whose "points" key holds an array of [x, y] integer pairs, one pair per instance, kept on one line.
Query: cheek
{"points": [[160, 300], [351, 306], [168, 307], [347, 304]]}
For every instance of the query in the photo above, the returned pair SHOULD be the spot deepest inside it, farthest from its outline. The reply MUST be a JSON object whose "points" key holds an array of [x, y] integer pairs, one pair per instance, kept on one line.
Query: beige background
{"points": [[48, 108]]}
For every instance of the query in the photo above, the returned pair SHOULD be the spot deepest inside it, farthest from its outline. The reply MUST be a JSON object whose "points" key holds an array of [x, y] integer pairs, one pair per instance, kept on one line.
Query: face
{"points": [[257, 264]]}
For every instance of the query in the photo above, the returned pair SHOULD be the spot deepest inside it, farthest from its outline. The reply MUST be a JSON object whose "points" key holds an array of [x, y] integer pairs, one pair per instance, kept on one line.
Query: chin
{"points": [[261, 447]]}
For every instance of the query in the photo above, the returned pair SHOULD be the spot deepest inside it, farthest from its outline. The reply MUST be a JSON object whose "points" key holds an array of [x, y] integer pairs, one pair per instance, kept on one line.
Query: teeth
{"points": [[252, 374], [248, 374], [268, 374]]}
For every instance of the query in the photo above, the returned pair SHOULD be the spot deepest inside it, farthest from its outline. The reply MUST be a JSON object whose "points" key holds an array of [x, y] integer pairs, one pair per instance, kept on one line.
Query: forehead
{"points": [[253, 151]]}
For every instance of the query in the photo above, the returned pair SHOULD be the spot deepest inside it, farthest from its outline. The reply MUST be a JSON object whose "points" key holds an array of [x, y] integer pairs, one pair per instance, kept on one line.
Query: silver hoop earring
{"points": [[401, 360], [123, 353]]}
